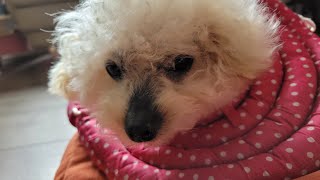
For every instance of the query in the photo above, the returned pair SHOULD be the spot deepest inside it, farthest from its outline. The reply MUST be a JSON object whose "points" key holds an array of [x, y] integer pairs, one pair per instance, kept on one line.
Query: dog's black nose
{"points": [[143, 119], [141, 133]]}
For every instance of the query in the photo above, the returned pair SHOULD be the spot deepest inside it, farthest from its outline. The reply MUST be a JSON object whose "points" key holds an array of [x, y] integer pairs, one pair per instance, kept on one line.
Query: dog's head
{"points": [[149, 68]]}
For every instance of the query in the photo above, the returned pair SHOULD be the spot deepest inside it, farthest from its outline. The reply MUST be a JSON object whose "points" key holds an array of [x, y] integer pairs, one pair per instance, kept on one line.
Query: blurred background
{"points": [[308, 8], [34, 129]]}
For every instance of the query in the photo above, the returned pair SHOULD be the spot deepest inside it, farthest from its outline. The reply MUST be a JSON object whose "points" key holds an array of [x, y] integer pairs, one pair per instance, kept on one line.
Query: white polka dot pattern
{"points": [[259, 135]]}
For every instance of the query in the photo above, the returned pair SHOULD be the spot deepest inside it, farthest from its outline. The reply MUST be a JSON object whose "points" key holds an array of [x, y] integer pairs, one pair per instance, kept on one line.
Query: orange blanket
{"points": [[76, 164]]}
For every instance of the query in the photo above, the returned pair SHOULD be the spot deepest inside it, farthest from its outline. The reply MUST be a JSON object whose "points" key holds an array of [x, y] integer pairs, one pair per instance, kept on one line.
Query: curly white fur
{"points": [[233, 41]]}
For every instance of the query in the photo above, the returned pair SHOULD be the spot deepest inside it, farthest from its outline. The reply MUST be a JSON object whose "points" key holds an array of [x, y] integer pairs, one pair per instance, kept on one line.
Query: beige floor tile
{"points": [[32, 116], [37, 162], [34, 131]]}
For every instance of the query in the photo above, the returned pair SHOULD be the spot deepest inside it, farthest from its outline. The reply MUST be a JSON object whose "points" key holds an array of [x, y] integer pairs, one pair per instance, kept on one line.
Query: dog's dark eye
{"points": [[114, 71], [182, 63]]}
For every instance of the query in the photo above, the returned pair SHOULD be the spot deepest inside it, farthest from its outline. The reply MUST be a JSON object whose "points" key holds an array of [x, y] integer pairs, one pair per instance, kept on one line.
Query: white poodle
{"points": [[148, 69]]}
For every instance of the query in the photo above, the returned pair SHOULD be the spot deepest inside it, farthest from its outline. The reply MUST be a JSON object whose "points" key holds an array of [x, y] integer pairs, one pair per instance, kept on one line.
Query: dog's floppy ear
{"points": [[59, 81]]}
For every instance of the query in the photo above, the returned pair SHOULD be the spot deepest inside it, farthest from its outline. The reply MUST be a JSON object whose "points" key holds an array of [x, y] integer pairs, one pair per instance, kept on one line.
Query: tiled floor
{"points": [[34, 131]]}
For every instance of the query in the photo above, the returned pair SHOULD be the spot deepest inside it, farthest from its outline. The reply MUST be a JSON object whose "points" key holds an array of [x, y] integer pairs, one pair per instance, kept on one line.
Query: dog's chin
{"points": [[168, 131], [159, 141], [162, 139]]}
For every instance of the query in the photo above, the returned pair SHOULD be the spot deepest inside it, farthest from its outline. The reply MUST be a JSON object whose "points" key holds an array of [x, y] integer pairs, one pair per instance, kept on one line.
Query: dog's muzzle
{"points": [[143, 119]]}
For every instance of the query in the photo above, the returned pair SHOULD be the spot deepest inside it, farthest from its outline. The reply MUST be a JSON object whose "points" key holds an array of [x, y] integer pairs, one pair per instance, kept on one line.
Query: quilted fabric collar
{"points": [[273, 132]]}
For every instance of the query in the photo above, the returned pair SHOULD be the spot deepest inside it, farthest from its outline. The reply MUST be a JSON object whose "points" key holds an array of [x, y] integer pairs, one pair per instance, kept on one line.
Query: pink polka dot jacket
{"points": [[273, 132]]}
